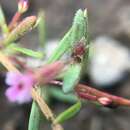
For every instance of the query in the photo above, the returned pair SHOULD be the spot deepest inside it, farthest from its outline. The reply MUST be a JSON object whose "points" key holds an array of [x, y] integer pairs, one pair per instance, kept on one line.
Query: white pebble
{"points": [[108, 62]]}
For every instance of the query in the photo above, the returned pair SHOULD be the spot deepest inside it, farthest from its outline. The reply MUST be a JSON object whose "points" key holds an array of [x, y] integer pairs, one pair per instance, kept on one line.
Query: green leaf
{"points": [[3, 24], [69, 113], [26, 51], [79, 27], [41, 28], [36, 114], [34, 120], [76, 32], [59, 95], [71, 77], [62, 47]]}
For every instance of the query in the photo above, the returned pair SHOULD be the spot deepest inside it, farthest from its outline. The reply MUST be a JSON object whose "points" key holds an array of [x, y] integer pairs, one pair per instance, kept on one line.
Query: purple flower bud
{"points": [[23, 6]]}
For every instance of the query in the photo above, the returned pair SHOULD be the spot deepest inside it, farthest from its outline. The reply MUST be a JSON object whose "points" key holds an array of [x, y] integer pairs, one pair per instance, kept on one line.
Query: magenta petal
{"points": [[12, 78], [28, 81], [20, 87], [24, 97], [12, 93]]}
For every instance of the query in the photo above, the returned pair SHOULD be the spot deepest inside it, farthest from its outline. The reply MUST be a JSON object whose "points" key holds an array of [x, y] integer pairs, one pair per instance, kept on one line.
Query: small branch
{"points": [[42, 104], [57, 127], [7, 63], [92, 94], [103, 98]]}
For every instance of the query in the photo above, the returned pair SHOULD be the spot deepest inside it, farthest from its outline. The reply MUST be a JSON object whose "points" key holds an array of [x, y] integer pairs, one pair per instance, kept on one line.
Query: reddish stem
{"points": [[14, 21], [87, 96], [92, 94], [115, 100]]}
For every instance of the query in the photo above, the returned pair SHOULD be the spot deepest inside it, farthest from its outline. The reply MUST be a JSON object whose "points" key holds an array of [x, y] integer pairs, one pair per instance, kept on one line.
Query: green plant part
{"points": [[26, 25], [69, 113], [76, 32], [79, 27], [35, 118], [63, 46], [58, 94], [15, 49], [41, 28], [79, 51], [71, 77], [73, 73], [3, 23]]}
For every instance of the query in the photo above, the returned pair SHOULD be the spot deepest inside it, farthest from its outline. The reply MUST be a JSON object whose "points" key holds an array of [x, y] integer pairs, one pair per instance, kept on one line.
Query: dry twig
{"points": [[45, 109]]}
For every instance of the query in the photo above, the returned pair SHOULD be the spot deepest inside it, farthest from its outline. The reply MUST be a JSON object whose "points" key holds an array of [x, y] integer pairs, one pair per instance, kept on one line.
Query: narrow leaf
{"points": [[76, 32], [41, 28], [71, 77], [62, 47], [3, 24], [26, 51], [69, 113], [59, 95], [34, 120]]}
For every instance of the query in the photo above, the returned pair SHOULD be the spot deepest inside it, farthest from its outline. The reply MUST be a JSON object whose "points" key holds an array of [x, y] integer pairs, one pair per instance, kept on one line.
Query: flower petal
{"points": [[12, 78], [24, 97], [12, 93]]}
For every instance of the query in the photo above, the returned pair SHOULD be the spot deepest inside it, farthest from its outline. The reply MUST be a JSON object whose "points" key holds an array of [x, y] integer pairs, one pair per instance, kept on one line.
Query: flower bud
{"points": [[23, 27], [23, 6]]}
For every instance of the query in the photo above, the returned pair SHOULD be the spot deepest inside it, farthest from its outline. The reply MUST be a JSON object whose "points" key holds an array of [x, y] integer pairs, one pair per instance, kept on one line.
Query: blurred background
{"points": [[108, 69]]}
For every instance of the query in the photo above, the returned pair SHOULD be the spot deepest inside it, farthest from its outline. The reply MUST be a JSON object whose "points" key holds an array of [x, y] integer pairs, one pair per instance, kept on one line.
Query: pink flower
{"points": [[20, 84], [19, 87]]}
